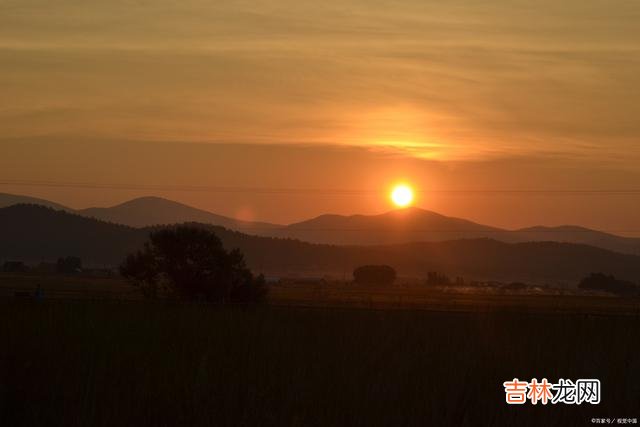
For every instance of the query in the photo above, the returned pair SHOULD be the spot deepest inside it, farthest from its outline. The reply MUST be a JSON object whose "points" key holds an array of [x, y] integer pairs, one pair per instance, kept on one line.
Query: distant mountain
{"points": [[34, 233], [574, 234], [398, 226], [395, 227], [418, 225], [14, 199], [148, 211]]}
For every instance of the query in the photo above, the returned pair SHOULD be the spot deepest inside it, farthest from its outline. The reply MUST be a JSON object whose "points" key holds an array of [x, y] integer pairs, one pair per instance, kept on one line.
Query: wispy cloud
{"points": [[445, 80]]}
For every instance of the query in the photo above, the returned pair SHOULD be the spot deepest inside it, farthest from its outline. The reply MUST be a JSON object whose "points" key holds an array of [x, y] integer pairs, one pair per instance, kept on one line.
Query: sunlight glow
{"points": [[402, 195]]}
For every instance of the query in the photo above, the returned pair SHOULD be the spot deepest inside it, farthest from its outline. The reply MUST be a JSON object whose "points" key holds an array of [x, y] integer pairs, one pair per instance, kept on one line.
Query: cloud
{"points": [[446, 80]]}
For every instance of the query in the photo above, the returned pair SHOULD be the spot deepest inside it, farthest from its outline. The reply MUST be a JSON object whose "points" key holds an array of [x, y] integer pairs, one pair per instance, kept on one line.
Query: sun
{"points": [[402, 195]]}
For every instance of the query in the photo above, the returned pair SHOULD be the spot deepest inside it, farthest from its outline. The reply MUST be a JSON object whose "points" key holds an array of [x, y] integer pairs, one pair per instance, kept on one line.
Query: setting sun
{"points": [[402, 195]]}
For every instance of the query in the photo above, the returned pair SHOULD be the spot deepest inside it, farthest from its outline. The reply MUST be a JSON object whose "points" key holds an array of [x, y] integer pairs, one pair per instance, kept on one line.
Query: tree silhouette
{"points": [[14, 267], [69, 265], [437, 279], [374, 275], [608, 283], [191, 263]]}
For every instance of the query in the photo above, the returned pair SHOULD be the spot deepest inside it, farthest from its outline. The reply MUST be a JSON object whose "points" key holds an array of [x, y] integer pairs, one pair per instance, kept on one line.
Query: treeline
{"points": [[70, 265], [593, 282], [386, 275], [608, 283]]}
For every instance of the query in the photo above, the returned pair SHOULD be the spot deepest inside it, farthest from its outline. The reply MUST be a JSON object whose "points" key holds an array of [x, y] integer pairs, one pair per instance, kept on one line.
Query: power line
{"points": [[413, 230], [314, 191], [350, 192]]}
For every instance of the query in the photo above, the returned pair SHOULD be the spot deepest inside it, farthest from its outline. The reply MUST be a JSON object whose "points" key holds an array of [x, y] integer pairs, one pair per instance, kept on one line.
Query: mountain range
{"points": [[149, 211], [408, 225], [36, 233]]}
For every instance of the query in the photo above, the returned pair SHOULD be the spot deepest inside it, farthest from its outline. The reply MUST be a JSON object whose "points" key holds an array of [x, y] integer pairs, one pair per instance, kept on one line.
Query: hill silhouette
{"points": [[15, 199], [145, 212], [400, 226], [575, 234], [419, 225], [34, 233], [149, 211]]}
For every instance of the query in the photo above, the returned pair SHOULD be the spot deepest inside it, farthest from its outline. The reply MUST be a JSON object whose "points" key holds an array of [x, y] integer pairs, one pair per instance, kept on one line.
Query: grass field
{"points": [[59, 286], [415, 296], [134, 363]]}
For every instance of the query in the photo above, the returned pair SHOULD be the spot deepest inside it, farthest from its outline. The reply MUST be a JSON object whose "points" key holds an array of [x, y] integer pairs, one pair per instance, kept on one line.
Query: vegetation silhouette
{"points": [[69, 265], [14, 267], [190, 263], [435, 278], [608, 283], [374, 275]]}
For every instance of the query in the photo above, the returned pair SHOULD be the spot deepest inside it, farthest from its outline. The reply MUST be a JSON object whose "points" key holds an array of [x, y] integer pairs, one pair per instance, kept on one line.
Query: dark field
{"points": [[133, 363], [404, 295]]}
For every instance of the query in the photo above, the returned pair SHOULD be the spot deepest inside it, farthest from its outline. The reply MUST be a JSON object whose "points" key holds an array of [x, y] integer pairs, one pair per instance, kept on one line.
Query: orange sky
{"points": [[460, 95], [341, 180]]}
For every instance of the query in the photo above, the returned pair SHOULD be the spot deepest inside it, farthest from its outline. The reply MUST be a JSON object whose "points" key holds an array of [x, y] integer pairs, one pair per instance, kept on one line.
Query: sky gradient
{"points": [[456, 95]]}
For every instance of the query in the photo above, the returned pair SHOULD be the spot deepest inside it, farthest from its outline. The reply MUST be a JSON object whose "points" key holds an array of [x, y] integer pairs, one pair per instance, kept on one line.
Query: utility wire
{"points": [[316, 191]]}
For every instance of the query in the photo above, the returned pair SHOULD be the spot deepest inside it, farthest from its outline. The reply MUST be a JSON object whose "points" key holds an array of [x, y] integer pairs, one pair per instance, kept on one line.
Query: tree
{"points": [[437, 279], [374, 275], [69, 265], [608, 283], [191, 263]]}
